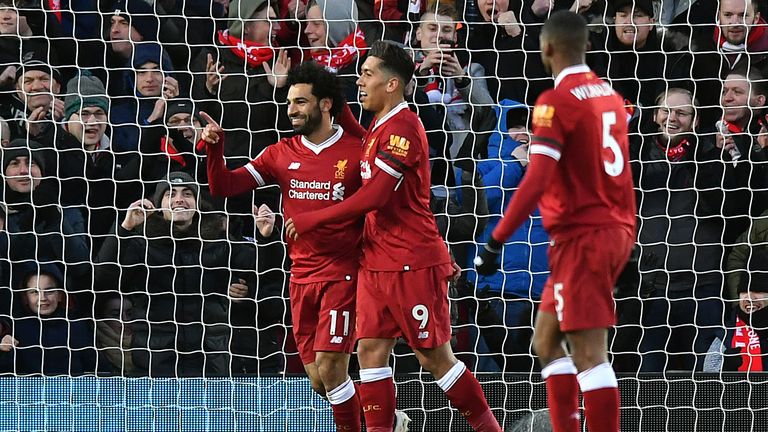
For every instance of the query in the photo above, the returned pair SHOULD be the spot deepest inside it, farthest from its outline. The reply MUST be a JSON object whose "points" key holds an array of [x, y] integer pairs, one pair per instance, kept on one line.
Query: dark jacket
{"points": [[679, 231], [179, 284]]}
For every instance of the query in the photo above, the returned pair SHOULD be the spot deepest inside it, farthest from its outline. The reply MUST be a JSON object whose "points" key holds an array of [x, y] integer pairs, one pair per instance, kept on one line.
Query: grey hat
{"points": [[341, 19], [85, 90], [176, 178], [240, 10]]}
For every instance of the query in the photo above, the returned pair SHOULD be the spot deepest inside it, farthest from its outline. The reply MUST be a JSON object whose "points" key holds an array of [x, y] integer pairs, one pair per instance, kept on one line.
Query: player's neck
{"points": [[389, 106], [322, 134], [559, 65]]}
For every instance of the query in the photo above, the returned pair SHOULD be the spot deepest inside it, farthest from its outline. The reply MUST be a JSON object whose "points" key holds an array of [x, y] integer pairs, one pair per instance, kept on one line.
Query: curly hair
{"points": [[324, 84]]}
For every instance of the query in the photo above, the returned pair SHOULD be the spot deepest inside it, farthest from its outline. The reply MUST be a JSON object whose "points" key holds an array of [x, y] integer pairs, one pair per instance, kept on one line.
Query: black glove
{"points": [[487, 262]]}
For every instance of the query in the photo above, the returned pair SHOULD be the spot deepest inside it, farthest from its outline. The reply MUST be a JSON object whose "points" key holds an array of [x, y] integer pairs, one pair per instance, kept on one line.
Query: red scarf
{"points": [[678, 152], [756, 32], [167, 147], [254, 54], [342, 55], [749, 342]]}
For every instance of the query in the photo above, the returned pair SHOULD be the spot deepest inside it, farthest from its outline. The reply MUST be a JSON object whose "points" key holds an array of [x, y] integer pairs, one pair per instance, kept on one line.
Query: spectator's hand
{"points": [[170, 88], [451, 67], [521, 153], [238, 290], [725, 142], [158, 111], [510, 23], [8, 76], [762, 137], [433, 59], [456, 274], [487, 262], [34, 121], [265, 219], [278, 74], [8, 343], [297, 9], [212, 132], [290, 230], [137, 214], [213, 77], [58, 109], [580, 6]]}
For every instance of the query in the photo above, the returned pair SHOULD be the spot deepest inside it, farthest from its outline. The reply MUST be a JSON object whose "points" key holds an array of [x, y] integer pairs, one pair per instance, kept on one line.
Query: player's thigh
{"points": [[374, 319], [420, 305], [588, 347], [584, 270], [335, 330], [305, 307]]}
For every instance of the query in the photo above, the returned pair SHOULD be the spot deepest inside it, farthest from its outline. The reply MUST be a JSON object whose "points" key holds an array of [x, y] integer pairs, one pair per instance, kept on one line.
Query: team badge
{"points": [[369, 147], [340, 166]]}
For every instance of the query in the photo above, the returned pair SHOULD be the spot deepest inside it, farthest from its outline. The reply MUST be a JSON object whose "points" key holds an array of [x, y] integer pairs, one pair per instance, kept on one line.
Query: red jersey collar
{"points": [[401, 106], [317, 148], [570, 70]]}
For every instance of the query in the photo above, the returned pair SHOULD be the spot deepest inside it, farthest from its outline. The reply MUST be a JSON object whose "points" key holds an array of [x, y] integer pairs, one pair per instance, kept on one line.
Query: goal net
{"points": [[133, 299]]}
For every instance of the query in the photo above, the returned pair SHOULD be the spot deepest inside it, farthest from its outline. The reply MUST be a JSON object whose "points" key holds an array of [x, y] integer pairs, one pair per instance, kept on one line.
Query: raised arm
{"points": [[222, 181]]}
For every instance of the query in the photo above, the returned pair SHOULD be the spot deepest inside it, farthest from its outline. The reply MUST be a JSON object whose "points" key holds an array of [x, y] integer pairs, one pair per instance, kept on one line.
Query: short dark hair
{"points": [[756, 79], [394, 59], [325, 84], [568, 32]]}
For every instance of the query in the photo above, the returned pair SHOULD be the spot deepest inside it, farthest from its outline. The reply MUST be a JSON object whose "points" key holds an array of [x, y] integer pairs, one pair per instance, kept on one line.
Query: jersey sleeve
{"points": [[263, 168], [549, 116], [398, 151]]}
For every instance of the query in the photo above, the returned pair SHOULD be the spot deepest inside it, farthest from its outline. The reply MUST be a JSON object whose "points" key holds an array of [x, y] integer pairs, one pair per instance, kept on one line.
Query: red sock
{"points": [[601, 398], [346, 407], [465, 394], [377, 396], [562, 395]]}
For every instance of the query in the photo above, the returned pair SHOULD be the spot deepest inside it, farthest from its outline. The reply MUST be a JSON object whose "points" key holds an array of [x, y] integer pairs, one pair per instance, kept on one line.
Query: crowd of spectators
{"points": [[115, 259]]}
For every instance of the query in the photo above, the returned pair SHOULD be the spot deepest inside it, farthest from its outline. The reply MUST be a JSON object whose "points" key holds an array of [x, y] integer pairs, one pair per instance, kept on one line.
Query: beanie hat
{"points": [[240, 10], [37, 60], [145, 53], [174, 179], [22, 148], [28, 269], [757, 278], [141, 16], [643, 5], [176, 106], [84, 90]]}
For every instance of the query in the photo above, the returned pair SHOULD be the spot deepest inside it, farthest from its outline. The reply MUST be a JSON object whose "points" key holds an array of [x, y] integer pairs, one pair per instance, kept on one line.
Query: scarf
{"points": [[756, 33], [115, 348], [254, 54], [344, 54], [748, 341], [167, 147], [678, 152]]}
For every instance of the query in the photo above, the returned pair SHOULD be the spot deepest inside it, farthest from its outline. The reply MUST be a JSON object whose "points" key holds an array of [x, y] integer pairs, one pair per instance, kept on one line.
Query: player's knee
{"points": [[545, 349], [317, 385]]}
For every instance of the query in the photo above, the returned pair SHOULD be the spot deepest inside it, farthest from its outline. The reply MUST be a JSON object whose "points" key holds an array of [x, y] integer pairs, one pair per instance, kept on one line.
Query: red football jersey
{"points": [[402, 235], [312, 177], [582, 124]]}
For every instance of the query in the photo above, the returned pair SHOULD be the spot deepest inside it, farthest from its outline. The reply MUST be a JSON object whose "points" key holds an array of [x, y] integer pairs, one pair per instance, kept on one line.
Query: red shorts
{"points": [[412, 304], [323, 317], [583, 272]]}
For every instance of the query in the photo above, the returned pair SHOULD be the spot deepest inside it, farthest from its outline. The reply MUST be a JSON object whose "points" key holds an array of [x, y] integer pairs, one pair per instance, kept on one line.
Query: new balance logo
{"points": [[337, 340], [294, 165], [423, 335]]}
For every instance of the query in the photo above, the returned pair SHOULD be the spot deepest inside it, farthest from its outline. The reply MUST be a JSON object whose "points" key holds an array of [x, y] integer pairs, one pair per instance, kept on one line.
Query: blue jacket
{"points": [[524, 258]]}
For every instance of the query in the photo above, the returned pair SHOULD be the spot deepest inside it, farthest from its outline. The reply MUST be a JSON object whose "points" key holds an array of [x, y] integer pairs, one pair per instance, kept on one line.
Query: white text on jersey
{"points": [[589, 91]]}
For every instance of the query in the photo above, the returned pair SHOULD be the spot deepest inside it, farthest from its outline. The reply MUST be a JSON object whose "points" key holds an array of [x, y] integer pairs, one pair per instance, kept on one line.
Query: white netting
{"points": [[191, 329]]}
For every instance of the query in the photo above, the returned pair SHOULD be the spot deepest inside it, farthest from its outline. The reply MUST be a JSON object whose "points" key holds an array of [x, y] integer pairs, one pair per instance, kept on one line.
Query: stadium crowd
{"points": [[115, 258]]}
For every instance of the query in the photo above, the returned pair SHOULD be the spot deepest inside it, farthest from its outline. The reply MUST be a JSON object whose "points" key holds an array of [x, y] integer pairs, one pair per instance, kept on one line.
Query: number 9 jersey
{"points": [[582, 124]]}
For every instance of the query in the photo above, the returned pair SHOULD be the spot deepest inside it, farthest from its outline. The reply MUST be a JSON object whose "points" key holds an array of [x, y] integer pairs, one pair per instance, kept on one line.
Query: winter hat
{"points": [[22, 148], [141, 16], [644, 5], [240, 10], [27, 269], [84, 90], [37, 60], [145, 53], [757, 278], [341, 19], [176, 178], [176, 106]]}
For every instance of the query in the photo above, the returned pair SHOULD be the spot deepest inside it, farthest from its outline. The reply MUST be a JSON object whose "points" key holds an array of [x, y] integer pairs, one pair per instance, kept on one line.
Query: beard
{"points": [[311, 123]]}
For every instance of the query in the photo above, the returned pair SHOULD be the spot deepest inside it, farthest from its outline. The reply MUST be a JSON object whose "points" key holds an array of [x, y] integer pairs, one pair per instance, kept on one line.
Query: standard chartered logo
{"points": [[338, 192]]}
